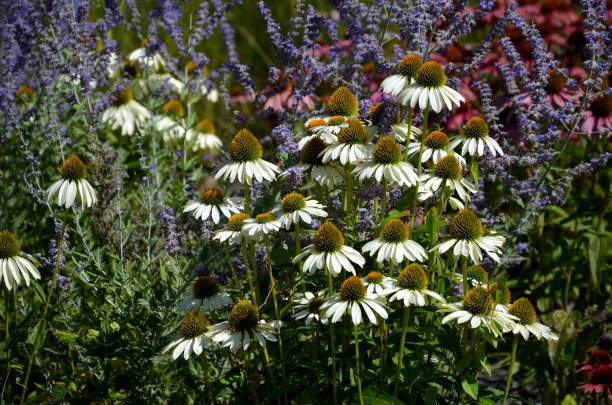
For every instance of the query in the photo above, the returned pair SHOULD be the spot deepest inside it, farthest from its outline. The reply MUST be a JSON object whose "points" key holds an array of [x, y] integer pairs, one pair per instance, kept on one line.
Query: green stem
{"points": [[297, 252], [231, 265], [391, 268], [247, 268], [43, 324], [357, 371], [248, 369], [255, 269], [452, 279], [400, 354], [332, 345], [383, 203], [383, 351], [464, 273], [409, 135], [511, 368], [247, 199], [276, 311], [349, 193], [207, 375], [416, 191]]}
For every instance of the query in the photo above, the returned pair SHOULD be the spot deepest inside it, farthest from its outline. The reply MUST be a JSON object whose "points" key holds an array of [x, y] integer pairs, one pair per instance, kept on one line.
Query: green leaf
{"points": [[474, 171], [568, 400], [406, 199], [485, 364], [486, 401], [594, 250], [373, 395], [470, 386], [38, 290]]}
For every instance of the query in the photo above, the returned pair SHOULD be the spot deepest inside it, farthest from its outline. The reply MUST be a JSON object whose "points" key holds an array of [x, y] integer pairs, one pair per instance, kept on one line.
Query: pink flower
{"points": [[599, 114], [600, 381]]}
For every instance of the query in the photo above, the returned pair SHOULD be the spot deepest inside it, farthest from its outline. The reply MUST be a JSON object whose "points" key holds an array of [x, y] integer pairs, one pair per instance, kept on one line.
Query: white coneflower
{"points": [[155, 62], [351, 300], [73, 185], [125, 113], [154, 82], [478, 308], [475, 137], [328, 250], [476, 275], [203, 138], [406, 71], [260, 226], [353, 144], [14, 264], [377, 283], [311, 162], [430, 89], [193, 339], [411, 287], [326, 128], [308, 307], [212, 204], [399, 130], [526, 323], [386, 162], [242, 325], [505, 297], [207, 295], [233, 230], [168, 124], [468, 237], [435, 147], [447, 172], [394, 245], [246, 152], [294, 207]]}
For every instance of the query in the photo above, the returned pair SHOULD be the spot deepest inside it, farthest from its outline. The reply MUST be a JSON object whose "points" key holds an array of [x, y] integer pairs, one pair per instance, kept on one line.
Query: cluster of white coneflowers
{"points": [[337, 154]]}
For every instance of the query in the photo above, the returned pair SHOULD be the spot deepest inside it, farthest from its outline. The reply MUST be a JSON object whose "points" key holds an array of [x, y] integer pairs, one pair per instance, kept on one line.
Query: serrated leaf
{"points": [[470, 386]]}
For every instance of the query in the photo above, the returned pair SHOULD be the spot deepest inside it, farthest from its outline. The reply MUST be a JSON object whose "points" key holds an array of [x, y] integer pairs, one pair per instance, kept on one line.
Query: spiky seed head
{"points": [[174, 108], [243, 316], [602, 106], [245, 147], [194, 324], [212, 196], [410, 65], [477, 273], [413, 277], [336, 120], [24, 93], [315, 123], [122, 97], [465, 225], [431, 75], [555, 83], [73, 168], [205, 287], [9, 246], [476, 128], [523, 310], [478, 301], [387, 152], [205, 126], [342, 102], [328, 238], [437, 140], [293, 202], [505, 297], [310, 152], [395, 231], [314, 305], [448, 168], [353, 134], [236, 221], [264, 218], [352, 289], [374, 277]]}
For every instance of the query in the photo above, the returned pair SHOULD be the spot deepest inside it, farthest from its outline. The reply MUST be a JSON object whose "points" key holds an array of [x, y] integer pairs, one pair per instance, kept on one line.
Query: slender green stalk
{"points": [[383, 203], [349, 193], [510, 368], [7, 317], [400, 354], [276, 311], [245, 259], [247, 199], [332, 345], [409, 134], [416, 191], [43, 325], [255, 270], [383, 350], [207, 375], [297, 252], [231, 265], [464, 273], [357, 371], [391, 268], [452, 273], [247, 363]]}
